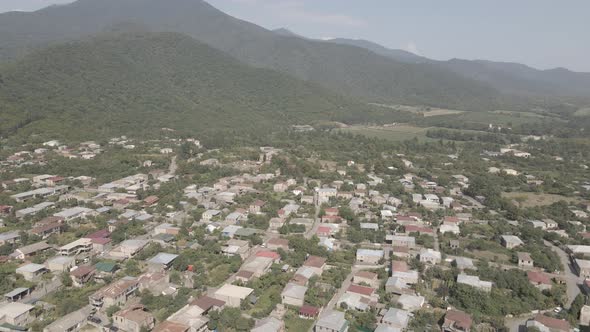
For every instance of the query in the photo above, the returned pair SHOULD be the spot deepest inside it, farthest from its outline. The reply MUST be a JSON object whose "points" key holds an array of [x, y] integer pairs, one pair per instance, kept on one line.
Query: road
{"points": [[173, 166], [316, 223], [347, 282], [571, 278]]}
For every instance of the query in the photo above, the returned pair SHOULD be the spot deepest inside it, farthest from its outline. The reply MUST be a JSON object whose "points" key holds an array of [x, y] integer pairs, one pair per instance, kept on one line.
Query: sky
{"points": [[540, 33]]}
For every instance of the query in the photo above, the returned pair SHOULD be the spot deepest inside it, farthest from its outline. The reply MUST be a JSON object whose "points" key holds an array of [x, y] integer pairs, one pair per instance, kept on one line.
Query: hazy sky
{"points": [[540, 33]]}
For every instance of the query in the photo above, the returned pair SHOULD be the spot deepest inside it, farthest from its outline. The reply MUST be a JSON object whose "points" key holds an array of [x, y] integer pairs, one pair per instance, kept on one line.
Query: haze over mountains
{"points": [[142, 71]]}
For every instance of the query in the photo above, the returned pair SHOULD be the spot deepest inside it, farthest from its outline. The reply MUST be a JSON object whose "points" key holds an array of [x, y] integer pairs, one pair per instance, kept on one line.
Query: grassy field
{"points": [[525, 199], [437, 112], [396, 133], [583, 112]]}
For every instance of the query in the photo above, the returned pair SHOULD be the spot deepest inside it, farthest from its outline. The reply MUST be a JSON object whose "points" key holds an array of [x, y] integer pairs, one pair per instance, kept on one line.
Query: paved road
{"points": [[173, 166], [571, 278], [347, 282], [316, 223]]}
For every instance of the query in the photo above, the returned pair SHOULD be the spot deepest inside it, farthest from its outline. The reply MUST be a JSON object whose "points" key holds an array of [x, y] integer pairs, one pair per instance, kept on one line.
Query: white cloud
{"points": [[412, 48]]}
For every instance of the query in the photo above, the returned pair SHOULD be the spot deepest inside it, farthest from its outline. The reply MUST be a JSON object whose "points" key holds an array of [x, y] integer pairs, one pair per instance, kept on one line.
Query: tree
{"points": [[112, 309], [65, 279]]}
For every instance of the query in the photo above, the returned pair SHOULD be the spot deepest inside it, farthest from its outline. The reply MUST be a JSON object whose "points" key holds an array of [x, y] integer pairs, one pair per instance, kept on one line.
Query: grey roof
{"points": [[369, 252], [66, 322], [397, 316], [9, 236], [61, 260], [32, 267], [163, 258], [333, 320], [16, 292], [294, 291]]}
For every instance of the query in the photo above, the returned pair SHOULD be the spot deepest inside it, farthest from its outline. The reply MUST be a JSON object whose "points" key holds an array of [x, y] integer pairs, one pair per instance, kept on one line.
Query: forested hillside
{"points": [[140, 82]]}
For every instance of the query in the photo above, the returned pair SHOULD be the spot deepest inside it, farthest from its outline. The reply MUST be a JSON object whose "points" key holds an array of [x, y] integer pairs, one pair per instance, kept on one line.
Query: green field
{"points": [[396, 133]]}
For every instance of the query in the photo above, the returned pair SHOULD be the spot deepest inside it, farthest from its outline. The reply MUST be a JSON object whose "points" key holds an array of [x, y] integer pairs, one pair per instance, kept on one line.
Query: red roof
{"points": [[324, 230], [206, 303], [458, 319], [404, 218], [268, 254], [399, 266], [553, 323], [82, 271], [278, 242], [585, 235], [454, 220], [99, 234], [315, 261], [419, 229], [367, 291], [101, 240], [308, 310], [538, 277]]}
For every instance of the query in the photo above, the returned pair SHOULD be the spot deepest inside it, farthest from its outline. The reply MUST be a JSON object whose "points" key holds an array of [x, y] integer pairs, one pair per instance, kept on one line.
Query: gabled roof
{"points": [[315, 261], [206, 303]]}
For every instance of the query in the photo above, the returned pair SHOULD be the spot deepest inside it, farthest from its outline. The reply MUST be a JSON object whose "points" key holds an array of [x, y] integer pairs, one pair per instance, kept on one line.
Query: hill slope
{"points": [[513, 78], [140, 82], [342, 68]]}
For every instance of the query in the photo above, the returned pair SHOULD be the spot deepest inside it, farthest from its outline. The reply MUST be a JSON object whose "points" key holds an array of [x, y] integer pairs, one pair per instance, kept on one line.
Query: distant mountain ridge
{"points": [[514, 78], [344, 69]]}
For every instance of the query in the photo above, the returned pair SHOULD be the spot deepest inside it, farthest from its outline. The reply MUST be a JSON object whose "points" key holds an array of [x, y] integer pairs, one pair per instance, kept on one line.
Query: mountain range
{"points": [[511, 78], [111, 65]]}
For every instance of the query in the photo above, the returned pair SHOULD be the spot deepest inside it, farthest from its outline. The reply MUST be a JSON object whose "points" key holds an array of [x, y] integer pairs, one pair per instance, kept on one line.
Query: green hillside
{"points": [[344, 69], [141, 82]]}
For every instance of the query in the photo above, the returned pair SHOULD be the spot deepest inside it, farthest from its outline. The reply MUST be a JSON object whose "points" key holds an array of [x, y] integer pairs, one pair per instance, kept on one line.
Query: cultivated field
{"points": [[394, 133]]}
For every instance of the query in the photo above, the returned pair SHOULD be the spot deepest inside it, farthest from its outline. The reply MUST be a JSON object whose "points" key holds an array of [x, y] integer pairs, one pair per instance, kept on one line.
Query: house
{"points": [[464, 263], [236, 247], [17, 294], [16, 313], [104, 270], [396, 318], [454, 229], [401, 241], [207, 303], [72, 322], [369, 256], [82, 275], [162, 261], [133, 319], [9, 237], [169, 326], [116, 293], [269, 324], [60, 263], [316, 264], [150, 201], [30, 250], [367, 278], [78, 247], [309, 312], [293, 294], [129, 248], [457, 321], [323, 195], [475, 282], [31, 271], [260, 265], [167, 228], [44, 231], [546, 323], [430, 256], [511, 241], [74, 213], [276, 243], [256, 206], [396, 285], [524, 259], [582, 267], [539, 280], [410, 302], [232, 295], [332, 321]]}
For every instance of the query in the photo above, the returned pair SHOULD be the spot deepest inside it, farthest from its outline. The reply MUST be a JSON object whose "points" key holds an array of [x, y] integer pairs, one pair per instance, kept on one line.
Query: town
{"points": [[187, 238]]}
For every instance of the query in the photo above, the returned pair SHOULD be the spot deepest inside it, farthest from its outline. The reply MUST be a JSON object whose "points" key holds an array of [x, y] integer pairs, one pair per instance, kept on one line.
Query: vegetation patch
{"points": [[525, 199]]}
